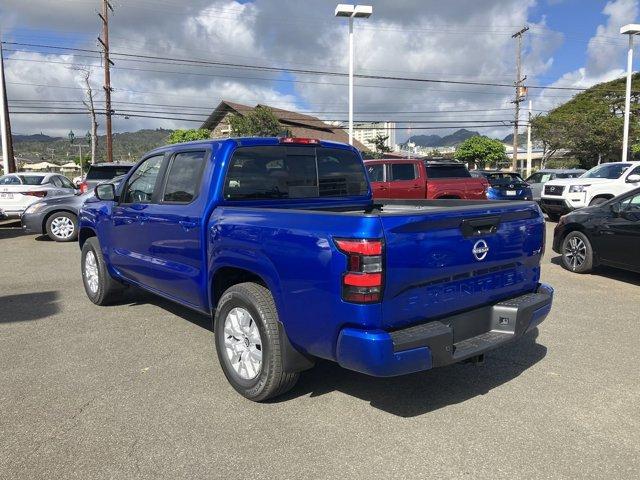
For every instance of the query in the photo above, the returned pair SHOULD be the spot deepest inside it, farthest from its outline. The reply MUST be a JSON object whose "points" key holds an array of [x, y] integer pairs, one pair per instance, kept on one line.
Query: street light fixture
{"points": [[352, 11], [631, 30], [71, 136]]}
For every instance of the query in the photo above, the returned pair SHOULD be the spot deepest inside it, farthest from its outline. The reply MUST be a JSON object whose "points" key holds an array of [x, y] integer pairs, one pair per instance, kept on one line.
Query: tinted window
{"points": [[106, 172], [376, 172], [293, 172], [608, 170], [141, 184], [183, 177], [447, 171], [403, 171]]}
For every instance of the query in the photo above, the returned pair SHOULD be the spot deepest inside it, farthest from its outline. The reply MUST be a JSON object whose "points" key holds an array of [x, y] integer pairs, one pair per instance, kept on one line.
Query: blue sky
{"points": [[454, 40]]}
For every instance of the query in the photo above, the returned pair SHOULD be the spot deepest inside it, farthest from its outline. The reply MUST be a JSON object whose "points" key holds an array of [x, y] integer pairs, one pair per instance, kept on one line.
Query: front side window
{"points": [[376, 172], [272, 172], [183, 177], [403, 171], [142, 183]]}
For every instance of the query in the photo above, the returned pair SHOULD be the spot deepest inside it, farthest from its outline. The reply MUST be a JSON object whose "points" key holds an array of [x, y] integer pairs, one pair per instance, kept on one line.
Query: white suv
{"points": [[594, 187]]}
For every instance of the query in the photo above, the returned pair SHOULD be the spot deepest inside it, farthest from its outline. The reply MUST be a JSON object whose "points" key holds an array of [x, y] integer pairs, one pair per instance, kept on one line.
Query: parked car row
{"points": [[49, 203]]}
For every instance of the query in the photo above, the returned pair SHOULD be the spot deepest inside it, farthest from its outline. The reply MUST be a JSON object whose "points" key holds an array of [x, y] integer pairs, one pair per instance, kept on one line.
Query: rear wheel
{"points": [[62, 227], [99, 286], [248, 342], [577, 253]]}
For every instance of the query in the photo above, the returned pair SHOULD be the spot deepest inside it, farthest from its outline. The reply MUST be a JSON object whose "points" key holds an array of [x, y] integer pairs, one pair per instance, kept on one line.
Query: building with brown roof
{"points": [[299, 124]]}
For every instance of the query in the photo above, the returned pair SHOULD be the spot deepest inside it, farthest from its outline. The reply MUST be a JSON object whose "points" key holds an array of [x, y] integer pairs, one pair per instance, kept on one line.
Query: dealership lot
{"points": [[135, 391]]}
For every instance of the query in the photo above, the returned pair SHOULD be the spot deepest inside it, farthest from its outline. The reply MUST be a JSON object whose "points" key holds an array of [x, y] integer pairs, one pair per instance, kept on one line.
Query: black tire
{"points": [[598, 201], [108, 290], [270, 380], [577, 253], [62, 227], [554, 217]]}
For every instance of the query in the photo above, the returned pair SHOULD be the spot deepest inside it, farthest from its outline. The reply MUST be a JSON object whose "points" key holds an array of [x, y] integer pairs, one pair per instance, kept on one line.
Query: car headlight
{"points": [[578, 188], [34, 208]]}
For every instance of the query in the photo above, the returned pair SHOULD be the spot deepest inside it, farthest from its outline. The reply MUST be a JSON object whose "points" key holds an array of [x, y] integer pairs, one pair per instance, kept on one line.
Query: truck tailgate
{"points": [[442, 261]]}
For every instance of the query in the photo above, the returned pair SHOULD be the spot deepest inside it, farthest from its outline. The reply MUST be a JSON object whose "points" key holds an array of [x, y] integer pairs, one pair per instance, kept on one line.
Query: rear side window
{"points": [[32, 179], [272, 172], [403, 171], [106, 172], [447, 171], [66, 182], [183, 177]]}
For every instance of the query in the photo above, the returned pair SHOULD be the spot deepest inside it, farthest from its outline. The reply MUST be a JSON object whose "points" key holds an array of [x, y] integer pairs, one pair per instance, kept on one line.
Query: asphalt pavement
{"points": [[135, 391]]}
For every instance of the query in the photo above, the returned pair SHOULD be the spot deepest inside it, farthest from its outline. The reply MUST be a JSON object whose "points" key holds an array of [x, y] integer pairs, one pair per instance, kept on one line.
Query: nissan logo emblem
{"points": [[480, 250]]}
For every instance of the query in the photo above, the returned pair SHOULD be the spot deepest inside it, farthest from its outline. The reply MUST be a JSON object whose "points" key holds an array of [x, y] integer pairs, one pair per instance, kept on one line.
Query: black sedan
{"points": [[607, 234], [57, 217]]}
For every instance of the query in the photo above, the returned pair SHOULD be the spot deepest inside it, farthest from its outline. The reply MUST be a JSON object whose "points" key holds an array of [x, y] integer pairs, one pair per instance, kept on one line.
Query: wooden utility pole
{"points": [[519, 94], [9, 162], [104, 41]]}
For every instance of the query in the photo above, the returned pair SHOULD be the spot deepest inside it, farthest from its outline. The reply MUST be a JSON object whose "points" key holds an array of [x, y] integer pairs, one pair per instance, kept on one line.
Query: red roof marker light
{"points": [[301, 141]]}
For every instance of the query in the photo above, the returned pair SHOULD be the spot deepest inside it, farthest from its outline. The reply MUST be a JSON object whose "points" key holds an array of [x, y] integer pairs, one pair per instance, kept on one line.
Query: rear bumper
{"points": [[445, 341]]}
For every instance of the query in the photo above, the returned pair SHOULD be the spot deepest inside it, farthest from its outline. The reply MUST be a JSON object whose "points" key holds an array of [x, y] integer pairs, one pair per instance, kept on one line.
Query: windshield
{"points": [[608, 170]]}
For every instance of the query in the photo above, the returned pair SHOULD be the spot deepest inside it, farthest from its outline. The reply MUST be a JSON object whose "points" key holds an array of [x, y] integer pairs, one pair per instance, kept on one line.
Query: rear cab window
{"points": [[447, 171], [288, 172]]}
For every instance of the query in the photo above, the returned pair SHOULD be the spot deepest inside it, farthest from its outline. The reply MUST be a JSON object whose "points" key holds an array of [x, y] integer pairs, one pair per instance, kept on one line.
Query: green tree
{"points": [[379, 143], [179, 136], [260, 122], [589, 126], [482, 151]]}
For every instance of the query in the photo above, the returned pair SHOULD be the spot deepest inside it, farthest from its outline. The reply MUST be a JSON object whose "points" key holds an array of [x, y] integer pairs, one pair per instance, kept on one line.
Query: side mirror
{"points": [[106, 192], [616, 208], [635, 178]]}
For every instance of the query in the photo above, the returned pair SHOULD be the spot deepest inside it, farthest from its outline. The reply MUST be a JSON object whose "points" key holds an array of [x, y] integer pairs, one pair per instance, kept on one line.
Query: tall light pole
{"points": [[352, 11], [631, 30]]}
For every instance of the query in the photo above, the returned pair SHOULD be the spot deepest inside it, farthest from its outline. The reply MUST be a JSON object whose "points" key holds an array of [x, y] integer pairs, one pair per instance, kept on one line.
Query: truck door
{"points": [[404, 181], [127, 246], [169, 231], [377, 178]]}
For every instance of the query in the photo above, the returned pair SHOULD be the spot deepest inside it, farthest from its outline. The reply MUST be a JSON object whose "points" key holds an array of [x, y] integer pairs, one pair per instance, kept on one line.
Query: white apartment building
{"points": [[366, 131]]}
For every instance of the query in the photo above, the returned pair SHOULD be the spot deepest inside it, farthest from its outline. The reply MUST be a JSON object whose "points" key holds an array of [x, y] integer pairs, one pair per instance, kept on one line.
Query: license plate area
{"points": [[8, 196], [511, 193]]}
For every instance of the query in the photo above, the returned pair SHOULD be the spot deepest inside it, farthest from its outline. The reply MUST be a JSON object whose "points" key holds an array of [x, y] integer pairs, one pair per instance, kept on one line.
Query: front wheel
{"points": [[248, 342], [577, 253], [99, 286]]}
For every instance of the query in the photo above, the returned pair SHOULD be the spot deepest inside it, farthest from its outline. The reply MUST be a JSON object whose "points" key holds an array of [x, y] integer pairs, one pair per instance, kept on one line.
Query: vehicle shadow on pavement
{"points": [[134, 296], [28, 306], [608, 272], [11, 230], [424, 392]]}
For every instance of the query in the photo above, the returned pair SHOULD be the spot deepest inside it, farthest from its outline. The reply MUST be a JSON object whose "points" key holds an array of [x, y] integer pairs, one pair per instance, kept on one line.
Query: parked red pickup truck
{"points": [[420, 179]]}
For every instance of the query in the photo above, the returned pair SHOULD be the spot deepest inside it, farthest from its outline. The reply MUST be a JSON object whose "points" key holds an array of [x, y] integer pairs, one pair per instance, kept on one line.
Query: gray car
{"points": [[538, 179], [57, 217]]}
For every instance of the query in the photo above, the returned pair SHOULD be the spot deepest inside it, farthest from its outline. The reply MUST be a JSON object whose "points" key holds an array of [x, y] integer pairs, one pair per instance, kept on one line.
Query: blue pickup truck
{"points": [[280, 241]]}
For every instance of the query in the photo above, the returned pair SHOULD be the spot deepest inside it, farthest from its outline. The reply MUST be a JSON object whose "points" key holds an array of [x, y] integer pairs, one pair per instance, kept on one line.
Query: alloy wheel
{"points": [[91, 272], [243, 344], [575, 252]]}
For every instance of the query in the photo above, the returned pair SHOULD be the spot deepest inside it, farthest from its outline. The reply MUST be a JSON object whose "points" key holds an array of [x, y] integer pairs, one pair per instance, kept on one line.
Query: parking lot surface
{"points": [[135, 391]]}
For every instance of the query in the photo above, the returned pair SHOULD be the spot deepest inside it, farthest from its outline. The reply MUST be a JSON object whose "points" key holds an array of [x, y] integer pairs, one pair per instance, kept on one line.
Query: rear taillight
{"points": [[84, 187], [39, 193], [362, 281]]}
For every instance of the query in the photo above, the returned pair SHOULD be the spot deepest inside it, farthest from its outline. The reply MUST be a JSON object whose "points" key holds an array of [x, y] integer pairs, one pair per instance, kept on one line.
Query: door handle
{"points": [[187, 224], [416, 187]]}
